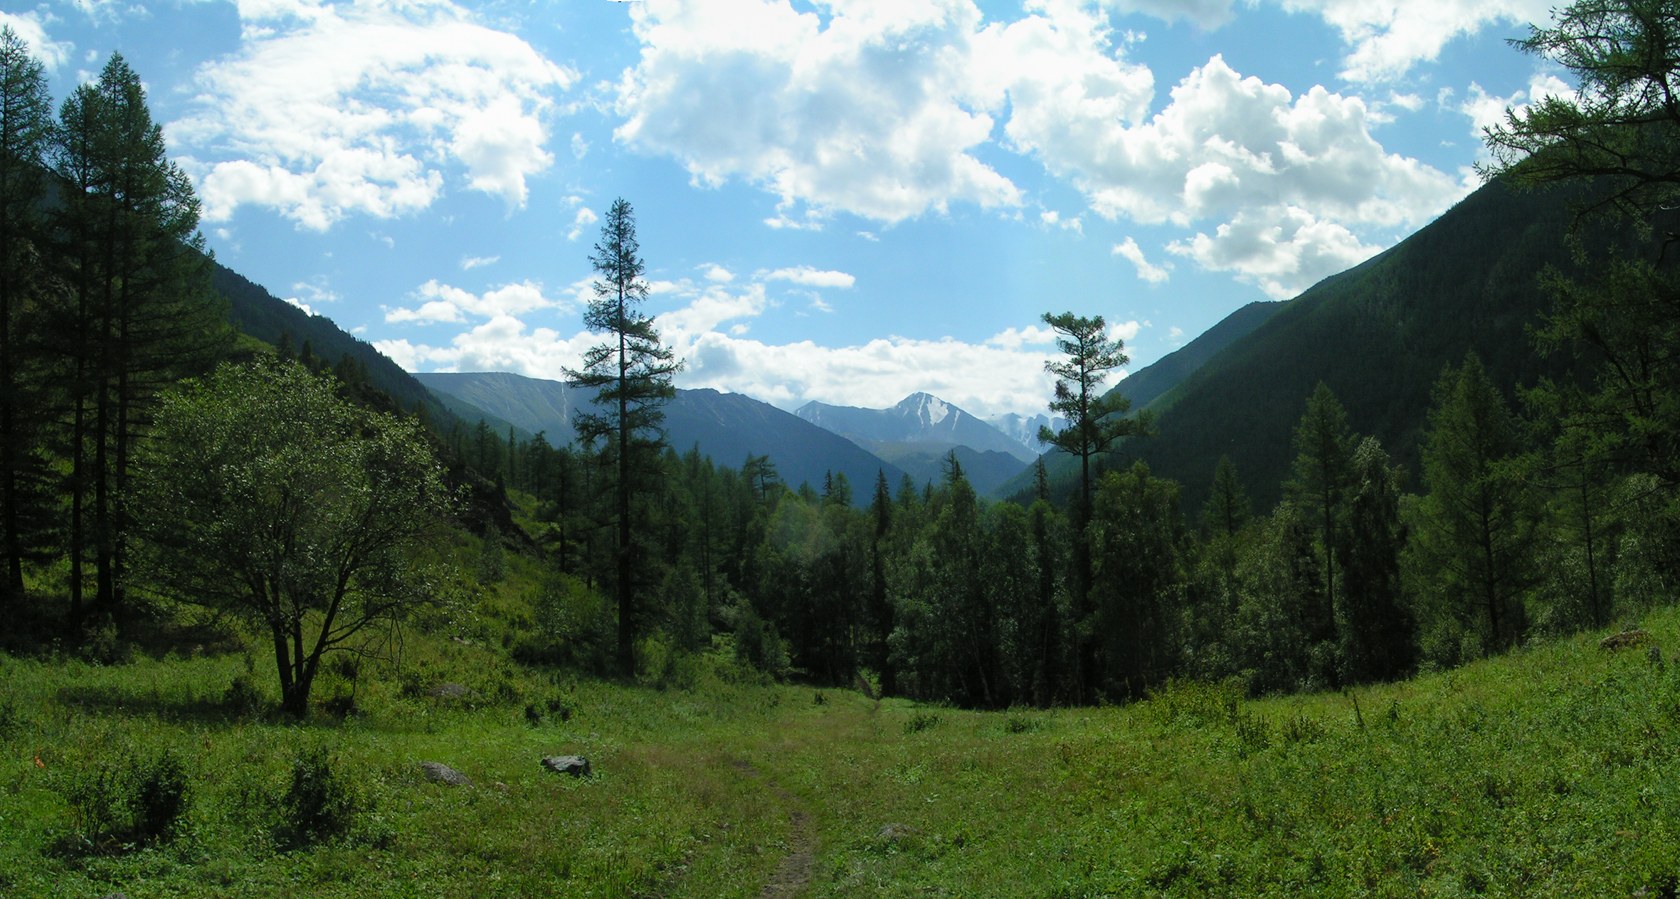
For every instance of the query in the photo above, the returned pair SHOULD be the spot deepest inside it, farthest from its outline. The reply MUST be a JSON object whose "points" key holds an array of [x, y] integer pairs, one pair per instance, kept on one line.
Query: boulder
{"points": [[1624, 640], [449, 691], [575, 765], [439, 773]]}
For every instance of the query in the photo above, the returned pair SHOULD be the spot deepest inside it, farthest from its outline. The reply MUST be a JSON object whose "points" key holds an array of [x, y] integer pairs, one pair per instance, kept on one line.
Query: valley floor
{"points": [[1553, 771]]}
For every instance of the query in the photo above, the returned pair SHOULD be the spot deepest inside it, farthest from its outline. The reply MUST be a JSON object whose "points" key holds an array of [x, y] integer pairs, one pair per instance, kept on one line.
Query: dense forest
{"points": [[156, 464]]}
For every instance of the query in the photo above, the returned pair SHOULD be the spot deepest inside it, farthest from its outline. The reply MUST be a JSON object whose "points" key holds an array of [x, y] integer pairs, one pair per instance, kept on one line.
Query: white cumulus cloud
{"points": [[1131, 252], [806, 276], [330, 109], [863, 113], [29, 27], [1386, 40], [1282, 251]]}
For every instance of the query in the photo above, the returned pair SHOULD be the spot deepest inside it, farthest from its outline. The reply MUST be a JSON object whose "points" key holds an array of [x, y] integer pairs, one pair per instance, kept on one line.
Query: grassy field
{"points": [[1553, 771]]}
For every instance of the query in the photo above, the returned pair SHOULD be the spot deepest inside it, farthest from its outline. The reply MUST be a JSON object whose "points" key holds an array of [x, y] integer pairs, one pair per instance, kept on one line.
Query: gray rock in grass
{"points": [[575, 765], [439, 773]]}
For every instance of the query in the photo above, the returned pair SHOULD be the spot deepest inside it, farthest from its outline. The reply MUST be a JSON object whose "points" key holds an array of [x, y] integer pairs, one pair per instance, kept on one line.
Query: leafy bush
{"points": [[1195, 703], [126, 803], [1021, 724], [1252, 733], [10, 719], [319, 805], [160, 797]]}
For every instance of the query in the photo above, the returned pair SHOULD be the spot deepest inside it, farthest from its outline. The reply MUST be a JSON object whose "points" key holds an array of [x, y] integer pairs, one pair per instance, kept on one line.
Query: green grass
{"points": [[1552, 771]]}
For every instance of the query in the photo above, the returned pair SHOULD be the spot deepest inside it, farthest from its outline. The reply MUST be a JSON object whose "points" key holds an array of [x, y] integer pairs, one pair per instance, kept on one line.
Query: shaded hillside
{"points": [[1156, 379], [255, 311], [726, 426], [729, 426], [1379, 335]]}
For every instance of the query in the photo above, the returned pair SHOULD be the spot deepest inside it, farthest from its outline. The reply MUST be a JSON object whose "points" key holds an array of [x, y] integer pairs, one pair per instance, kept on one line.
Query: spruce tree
{"points": [[1323, 476], [1377, 635]]}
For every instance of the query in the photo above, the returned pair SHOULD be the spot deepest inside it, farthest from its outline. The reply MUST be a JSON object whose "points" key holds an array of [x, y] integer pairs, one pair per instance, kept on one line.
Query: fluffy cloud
{"points": [[831, 112], [331, 109], [1486, 110], [1225, 143], [709, 329], [1131, 252], [983, 379], [500, 344], [584, 218], [440, 302], [807, 276], [1385, 40], [1225, 148], [863, 113], [29, 26], [1283, 251]]}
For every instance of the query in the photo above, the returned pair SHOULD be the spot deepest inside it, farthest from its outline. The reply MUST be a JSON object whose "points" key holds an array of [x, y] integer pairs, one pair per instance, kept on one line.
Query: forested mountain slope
{"points": [[1158, 378], [1378, 335]]}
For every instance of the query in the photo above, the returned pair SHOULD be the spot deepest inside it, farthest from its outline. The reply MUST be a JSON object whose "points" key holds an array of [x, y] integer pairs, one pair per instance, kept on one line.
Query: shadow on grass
{"points": [[131, 701]]}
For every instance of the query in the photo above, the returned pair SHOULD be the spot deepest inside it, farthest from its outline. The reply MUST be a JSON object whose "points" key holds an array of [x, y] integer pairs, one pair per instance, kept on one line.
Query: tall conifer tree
{"points": [[25, 132], [1479, 520], [631, 374], [137, 315], [1096, 422]]}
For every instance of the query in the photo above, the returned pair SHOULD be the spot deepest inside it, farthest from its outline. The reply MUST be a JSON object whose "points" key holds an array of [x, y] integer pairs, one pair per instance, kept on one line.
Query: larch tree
{"points": [[632, 375], [1479, 521], [137, 314], [1621, 128], [1322, 479], [1096, 421], [25, 136], [1616, 138]]}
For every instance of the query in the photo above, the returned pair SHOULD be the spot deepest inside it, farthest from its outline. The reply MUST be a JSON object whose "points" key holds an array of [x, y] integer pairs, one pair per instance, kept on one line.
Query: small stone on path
{"points": [[575, 765]]}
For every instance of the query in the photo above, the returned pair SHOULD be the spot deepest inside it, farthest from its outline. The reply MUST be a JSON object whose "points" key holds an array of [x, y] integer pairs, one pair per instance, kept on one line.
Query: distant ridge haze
{"points": [[724, 426]]}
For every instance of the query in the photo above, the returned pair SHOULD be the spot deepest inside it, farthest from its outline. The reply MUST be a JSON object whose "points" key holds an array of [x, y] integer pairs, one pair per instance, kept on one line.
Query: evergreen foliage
{"points": [[632, 376]]}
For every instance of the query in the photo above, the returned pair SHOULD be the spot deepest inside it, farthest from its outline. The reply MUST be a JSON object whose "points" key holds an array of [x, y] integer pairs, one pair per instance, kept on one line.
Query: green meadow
{"points": [[1554, 770]]}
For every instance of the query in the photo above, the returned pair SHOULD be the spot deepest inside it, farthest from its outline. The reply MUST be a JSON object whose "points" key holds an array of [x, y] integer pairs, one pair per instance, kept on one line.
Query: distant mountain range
{"points": [[1023, 429], [725, 426], [921, 433], [919, 418]]}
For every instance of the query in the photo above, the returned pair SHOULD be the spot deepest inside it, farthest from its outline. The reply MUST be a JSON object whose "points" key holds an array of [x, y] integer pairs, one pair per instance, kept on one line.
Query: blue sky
{"points": [[845, 201]]}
